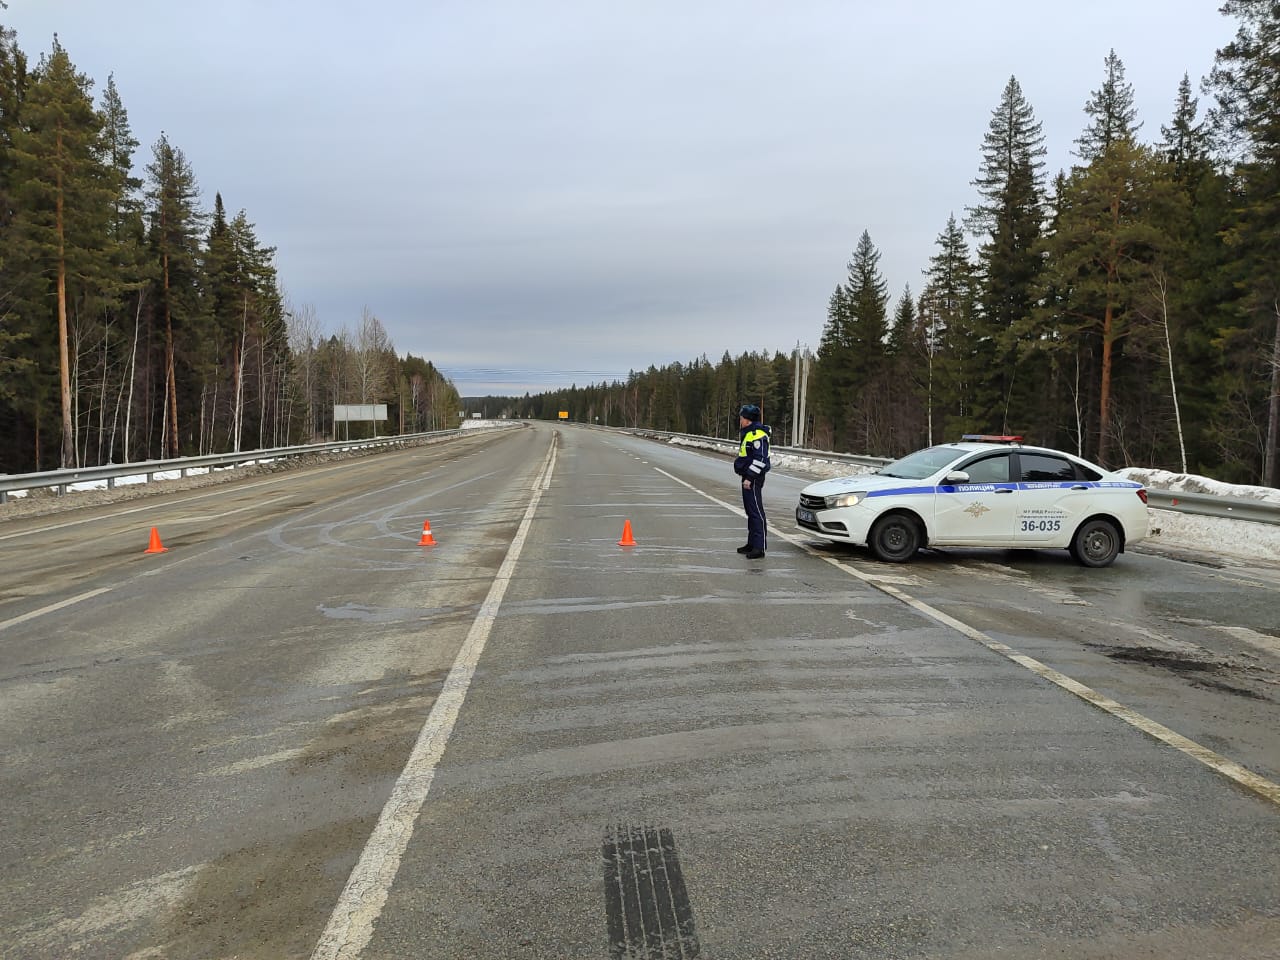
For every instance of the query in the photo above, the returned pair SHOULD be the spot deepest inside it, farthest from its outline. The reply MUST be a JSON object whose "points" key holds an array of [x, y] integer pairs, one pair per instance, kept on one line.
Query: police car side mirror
{"points": [[956, 476]]}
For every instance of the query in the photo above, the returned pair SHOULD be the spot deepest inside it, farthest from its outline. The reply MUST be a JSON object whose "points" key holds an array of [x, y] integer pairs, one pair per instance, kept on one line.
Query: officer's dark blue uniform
{"points": [[751, 464]]}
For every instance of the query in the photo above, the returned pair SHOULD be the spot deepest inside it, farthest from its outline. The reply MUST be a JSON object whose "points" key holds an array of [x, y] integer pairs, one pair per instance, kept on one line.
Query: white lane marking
{"points": [[52, 607], [1267, 789], [350, 927]]}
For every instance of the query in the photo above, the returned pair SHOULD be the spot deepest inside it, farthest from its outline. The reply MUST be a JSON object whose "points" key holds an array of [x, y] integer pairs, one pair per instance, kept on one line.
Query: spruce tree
{"points": [[243, 349], [903, 326], [908, 369], [1186, 142], [13, 83], [1007, 219], [175, 222], [1246, 80], [951, 293], [1113, 116], [218, 356], [119, 145], [870, 382], [13, 89], [831, 372], [122, 307], [1195, 288]]}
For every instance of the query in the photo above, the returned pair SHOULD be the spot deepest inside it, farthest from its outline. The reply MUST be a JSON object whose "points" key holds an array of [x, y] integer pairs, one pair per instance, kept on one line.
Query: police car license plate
{"points": [[805, 516]]}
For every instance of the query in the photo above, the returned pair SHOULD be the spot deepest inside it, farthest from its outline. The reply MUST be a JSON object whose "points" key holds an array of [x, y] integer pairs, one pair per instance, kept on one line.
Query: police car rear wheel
{"points": [[1096, 543], [894, 539]]}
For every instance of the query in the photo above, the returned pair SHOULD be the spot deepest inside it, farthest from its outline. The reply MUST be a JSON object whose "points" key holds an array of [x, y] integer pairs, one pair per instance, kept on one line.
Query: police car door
{"points": [[983, 509], [1052, 498]]}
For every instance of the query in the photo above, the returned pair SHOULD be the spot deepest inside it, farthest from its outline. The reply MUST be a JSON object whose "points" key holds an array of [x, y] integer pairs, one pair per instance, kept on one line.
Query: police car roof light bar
{"points": [[990, 438]]}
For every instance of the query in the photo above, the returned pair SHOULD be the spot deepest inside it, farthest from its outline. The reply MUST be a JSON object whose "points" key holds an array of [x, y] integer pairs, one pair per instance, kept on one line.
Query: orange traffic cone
{"points": [[427, 539], [627, 540], [155, 546]]}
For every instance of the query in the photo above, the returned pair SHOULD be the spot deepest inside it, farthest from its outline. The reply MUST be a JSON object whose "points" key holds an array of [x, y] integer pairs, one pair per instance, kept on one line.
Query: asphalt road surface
{"points": [[301, 732]]}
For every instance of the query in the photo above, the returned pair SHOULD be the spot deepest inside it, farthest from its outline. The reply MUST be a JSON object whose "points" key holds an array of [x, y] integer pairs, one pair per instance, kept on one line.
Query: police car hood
{"points": [[865, 481]]}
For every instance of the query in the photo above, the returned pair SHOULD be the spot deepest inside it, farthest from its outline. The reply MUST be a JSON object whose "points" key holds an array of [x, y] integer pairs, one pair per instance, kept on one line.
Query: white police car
{"points": [[987, 491]]}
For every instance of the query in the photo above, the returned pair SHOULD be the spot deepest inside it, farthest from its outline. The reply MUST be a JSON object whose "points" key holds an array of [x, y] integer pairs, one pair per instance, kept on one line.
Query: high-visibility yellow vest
{"points": [[751, 436]]}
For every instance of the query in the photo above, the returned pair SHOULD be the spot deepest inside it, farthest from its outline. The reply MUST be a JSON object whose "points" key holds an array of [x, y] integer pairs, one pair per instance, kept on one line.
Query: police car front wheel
{"points": [[895, 538]]}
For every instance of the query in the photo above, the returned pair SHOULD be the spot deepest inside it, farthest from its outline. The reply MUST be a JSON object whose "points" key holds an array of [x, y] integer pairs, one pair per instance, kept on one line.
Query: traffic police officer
{"points": [[751, 464]]}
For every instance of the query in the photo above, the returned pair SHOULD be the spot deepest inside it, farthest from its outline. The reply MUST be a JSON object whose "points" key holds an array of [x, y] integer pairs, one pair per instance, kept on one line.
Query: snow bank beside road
{"points": [[1236, 538], [1232, 538], [1189, 483]]}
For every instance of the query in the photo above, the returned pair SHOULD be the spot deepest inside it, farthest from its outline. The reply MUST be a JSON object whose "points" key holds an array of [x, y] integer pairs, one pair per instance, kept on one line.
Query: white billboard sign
{"points": [[359, 412]]}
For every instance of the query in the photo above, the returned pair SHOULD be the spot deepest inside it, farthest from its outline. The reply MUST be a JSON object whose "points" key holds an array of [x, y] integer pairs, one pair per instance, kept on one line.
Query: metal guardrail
{"points": [[1212, 505], [794, 451], [149, 469], [1200, 504]]}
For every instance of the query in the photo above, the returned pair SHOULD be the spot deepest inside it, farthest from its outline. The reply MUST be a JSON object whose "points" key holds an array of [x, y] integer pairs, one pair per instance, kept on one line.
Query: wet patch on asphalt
{"points": [[265, 901], [374, 738], [1197, 665], [1179, 661]]}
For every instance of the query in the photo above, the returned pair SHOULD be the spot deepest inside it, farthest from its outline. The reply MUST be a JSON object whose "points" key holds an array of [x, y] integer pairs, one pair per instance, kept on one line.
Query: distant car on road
{"points": [[987, 491]]}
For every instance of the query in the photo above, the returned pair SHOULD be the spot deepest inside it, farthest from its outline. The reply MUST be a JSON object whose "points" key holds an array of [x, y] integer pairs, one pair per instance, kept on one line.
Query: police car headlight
{"points": [[846, 500]]}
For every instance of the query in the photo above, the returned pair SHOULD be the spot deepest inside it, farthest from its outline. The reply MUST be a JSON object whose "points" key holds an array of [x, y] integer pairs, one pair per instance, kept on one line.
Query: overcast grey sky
{"points": [[534, 193]]}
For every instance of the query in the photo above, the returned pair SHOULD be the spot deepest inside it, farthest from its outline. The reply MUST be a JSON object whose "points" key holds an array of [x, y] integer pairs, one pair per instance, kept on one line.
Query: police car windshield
{"points": [[921, 464]]}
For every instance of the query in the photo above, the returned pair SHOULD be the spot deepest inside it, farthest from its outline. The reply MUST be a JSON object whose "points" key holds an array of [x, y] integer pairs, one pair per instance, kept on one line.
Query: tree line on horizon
{"points": [[1127, 310], [134, 325]]}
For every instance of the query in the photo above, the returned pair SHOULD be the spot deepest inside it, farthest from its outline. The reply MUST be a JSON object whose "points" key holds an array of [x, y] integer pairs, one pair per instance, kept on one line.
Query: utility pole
{"points": [[800, 395], [795, 401]]}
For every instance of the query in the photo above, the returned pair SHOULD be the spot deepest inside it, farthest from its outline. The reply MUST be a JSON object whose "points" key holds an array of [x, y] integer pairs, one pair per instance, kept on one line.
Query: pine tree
{"points": [[65, 192], [1008, 219], [1107, 237]]}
